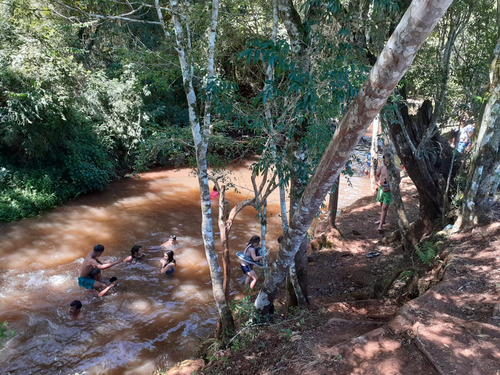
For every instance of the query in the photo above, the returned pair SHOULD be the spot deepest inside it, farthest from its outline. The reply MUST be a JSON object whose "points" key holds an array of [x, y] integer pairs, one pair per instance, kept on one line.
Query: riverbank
{"points": [[387, 314]]}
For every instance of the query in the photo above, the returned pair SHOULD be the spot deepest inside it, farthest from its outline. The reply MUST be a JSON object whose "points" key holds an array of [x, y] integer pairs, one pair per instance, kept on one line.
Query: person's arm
{"points": [[377, 174], [253, 255], [166, 267], [105, 290], [104, 266]]}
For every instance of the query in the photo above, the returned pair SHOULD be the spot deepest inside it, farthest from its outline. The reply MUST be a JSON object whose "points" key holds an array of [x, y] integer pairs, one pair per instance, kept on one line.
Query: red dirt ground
{"points": [[439, 319]]}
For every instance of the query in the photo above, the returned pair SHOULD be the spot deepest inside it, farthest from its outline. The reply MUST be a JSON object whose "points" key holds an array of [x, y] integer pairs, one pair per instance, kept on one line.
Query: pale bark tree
{"points": [[201, 133], [179, 16], [227, 216], [419, 20], [481, 193], [374, 153]]}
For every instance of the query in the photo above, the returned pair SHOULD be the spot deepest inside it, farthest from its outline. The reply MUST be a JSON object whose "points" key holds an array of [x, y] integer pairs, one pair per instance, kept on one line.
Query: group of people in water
{"points": [[91, 276]]}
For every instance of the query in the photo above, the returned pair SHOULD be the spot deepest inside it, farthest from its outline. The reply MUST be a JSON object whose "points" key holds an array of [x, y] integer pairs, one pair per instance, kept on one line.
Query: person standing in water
{"points": [[247, 268], [90, 272], [168, 263]]}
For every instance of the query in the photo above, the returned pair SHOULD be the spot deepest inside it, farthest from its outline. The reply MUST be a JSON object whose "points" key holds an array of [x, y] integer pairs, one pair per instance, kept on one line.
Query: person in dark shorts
{"points": [[247, 268], [90, 273]]}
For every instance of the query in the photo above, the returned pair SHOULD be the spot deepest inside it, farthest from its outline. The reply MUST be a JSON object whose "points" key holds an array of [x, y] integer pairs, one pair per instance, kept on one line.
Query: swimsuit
{"points": [[94, 272], [384, 197], [246, 268], [170, 271], [86, 282]]}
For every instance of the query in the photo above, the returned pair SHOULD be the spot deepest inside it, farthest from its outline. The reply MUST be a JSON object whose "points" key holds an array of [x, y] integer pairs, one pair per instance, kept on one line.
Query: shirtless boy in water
{"points": [[90, 273]]}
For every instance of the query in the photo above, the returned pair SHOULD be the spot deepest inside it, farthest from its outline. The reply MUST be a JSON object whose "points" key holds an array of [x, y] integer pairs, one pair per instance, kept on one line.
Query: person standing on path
{"points": [[384, 195]]}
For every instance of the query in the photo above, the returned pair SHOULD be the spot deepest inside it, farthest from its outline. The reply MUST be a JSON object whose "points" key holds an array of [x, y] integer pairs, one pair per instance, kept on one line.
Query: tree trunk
{"points": [[333, 203], [200, 138], [429, 170], [394, 176], [484, 173], [415, 26], [374, 154]]}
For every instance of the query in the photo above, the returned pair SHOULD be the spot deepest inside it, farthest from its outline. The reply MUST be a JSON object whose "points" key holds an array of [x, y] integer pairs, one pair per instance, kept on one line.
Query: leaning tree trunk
{"points": [[415, 26], [484, 173], [429, 169]]}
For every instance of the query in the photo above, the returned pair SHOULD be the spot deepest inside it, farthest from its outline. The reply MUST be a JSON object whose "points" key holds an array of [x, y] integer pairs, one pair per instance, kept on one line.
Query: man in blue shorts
{"points": [[90, 273]]}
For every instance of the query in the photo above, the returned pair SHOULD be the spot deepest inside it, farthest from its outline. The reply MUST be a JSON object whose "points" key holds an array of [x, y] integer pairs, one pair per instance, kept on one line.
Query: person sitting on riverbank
{"points": [[168, 263], [75, 310], [136, 254], [246, 267], [171, 241], [90, 273]]}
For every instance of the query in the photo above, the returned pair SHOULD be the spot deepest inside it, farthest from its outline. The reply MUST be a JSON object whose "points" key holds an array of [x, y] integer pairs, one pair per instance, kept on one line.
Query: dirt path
{"points": [[445, 321]]}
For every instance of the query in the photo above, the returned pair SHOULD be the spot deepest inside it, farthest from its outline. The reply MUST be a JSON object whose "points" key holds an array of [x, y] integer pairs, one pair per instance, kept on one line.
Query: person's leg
{"points": [[383, 215], [253, 276], [99, 285]]}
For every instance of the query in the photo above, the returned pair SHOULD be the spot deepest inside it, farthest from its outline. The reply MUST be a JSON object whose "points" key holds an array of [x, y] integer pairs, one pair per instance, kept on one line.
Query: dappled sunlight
{"points": [[148, 315]]}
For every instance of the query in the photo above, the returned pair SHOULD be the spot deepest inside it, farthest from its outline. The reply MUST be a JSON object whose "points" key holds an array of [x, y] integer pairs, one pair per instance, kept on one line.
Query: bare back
{"points": [[88, 264]]}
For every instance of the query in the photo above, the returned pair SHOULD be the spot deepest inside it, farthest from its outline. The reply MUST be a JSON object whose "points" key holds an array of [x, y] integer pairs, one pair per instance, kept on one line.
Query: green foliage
{"points": [[244, 310], [426, 252], [5, 333]]}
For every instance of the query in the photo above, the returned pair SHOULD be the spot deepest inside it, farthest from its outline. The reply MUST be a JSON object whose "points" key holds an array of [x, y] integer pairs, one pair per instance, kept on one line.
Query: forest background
{"points": [[85, 100], [95, 90]]}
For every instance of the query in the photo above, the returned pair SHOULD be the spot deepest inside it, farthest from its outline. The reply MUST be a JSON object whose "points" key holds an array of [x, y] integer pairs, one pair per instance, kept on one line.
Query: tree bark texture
{"points": [[399, 52], [481, 193], [427, 169], [200, 138]]}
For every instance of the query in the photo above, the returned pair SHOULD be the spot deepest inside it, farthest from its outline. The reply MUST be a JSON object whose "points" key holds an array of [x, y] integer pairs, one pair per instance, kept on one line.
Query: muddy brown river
{"points": [[150, 319]]}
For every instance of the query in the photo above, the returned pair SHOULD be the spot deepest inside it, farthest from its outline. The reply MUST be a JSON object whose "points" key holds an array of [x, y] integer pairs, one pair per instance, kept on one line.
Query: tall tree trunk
{"points": [[415, 26], [200, 138], [483, 179], [374, 154]]}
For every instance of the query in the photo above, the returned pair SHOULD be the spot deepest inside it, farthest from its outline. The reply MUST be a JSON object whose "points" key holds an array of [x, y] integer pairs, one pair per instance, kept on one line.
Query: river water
{"points": [[150, 319]]}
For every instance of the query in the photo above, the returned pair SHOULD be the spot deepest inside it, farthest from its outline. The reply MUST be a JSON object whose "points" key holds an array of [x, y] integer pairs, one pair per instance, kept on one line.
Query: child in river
{"points": [[75, 310], [136, 254], [168, 263], [172, 240]]}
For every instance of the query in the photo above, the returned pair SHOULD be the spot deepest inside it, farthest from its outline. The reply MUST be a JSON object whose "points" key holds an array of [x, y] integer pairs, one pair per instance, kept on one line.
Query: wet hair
{"points": [[135, 249], [170, 256], [254, 239], [280, 239], [173, 237], [76, 304], [99, 248], [215, 188]]}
